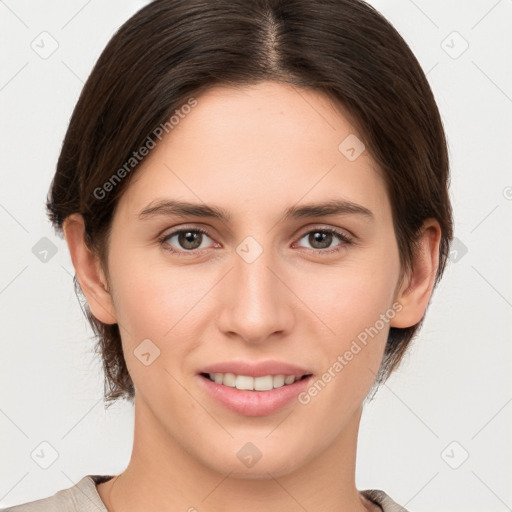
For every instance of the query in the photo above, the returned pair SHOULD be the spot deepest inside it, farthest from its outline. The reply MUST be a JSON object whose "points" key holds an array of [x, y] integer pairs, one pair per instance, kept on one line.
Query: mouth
{"points": [[249, 395], [249, 383]]}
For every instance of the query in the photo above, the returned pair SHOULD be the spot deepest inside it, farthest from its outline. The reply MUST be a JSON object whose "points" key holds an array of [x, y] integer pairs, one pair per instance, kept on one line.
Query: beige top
{"points": [[84, 497]]}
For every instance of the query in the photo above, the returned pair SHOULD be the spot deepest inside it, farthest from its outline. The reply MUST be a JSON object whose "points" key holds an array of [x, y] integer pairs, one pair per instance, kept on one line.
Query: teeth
{"points": [[229, 380], [265, 383], [244, 382], [279, 381]]}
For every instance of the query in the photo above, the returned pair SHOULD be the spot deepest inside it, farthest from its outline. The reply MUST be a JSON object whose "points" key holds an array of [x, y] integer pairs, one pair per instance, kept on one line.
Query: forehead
{"points": [[258, 148]]}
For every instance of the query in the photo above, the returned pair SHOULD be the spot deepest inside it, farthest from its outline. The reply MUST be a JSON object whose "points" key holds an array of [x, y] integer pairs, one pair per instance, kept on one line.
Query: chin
{"points": [[267, 463]]}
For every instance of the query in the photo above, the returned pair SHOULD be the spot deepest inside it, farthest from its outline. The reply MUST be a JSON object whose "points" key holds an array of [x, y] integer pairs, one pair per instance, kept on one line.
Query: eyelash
{"points": [[164, 238]]}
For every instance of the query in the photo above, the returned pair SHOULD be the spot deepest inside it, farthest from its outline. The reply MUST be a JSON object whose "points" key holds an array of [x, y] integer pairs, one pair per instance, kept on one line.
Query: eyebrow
{"points": [[168, 207]]}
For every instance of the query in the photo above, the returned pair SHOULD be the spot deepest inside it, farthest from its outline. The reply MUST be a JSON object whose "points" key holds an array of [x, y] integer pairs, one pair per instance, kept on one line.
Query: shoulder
{"points": [[81, 497], [383, 500]]}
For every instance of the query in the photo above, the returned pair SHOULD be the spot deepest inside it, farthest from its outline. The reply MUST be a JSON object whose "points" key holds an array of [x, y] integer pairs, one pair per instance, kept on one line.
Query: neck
{"points": [[163, 476]]}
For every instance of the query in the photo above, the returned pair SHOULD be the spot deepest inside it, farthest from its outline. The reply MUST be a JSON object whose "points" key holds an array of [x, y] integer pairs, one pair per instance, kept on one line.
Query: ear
{"points": [[416, 288], [88, 270]]}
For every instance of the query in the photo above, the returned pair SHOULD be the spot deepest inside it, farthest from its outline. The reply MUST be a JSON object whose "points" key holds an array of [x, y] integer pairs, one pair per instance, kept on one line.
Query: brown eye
{"points": [[187, 240], [321, 239]]}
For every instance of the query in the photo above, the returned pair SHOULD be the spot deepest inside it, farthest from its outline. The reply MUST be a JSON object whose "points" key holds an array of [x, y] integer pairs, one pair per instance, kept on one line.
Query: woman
{"points": [[254, 196]]}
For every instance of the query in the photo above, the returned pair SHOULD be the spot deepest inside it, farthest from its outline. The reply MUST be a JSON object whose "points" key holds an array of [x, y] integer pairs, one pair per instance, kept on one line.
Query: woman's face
{"points": [[263, 293]]}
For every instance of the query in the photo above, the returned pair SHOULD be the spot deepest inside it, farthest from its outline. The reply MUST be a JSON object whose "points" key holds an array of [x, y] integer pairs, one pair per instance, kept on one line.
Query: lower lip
{"points": [[254, 403]]}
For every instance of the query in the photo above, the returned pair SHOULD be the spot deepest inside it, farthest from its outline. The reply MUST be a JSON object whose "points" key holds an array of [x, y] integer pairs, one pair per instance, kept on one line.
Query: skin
{"points": [[254, 151]]}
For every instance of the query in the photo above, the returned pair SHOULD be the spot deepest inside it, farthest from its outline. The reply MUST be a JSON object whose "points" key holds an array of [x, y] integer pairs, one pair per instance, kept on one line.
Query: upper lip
{"points": [[256, 369]]}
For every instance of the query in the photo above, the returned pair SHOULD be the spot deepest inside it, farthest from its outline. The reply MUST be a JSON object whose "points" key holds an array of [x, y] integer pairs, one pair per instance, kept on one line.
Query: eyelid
{"points": [[343, 232]]}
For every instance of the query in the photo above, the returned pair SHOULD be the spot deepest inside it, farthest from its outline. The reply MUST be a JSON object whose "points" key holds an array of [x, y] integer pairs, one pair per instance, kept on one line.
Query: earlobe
{"points": [[416, 289], [93, 282]]}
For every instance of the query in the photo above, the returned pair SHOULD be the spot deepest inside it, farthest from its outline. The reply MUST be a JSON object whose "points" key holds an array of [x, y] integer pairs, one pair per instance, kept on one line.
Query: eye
{"points": [[321, 239], [188, 240]]}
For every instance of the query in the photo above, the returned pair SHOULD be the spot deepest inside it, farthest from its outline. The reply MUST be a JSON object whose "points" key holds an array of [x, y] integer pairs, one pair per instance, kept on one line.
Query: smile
{"points": [[246, 382], [253, 396]]}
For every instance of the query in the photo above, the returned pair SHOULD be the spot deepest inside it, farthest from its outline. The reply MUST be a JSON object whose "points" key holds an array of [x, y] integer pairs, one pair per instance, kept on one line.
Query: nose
{"points": [[256, 303]]}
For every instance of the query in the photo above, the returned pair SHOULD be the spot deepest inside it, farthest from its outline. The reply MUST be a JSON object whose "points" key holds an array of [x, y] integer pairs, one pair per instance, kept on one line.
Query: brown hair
{"points": [[172, 50]]}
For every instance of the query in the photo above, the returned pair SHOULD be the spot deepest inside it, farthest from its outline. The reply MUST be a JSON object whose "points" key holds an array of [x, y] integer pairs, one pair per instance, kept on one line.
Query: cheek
{"points": [[351, 359], [159, 303], [144, 295], [355, 305], [350, 297]]}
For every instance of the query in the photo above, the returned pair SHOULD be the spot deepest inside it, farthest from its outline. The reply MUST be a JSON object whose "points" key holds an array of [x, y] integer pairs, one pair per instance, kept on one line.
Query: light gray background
{"points": [[452, 397]]}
